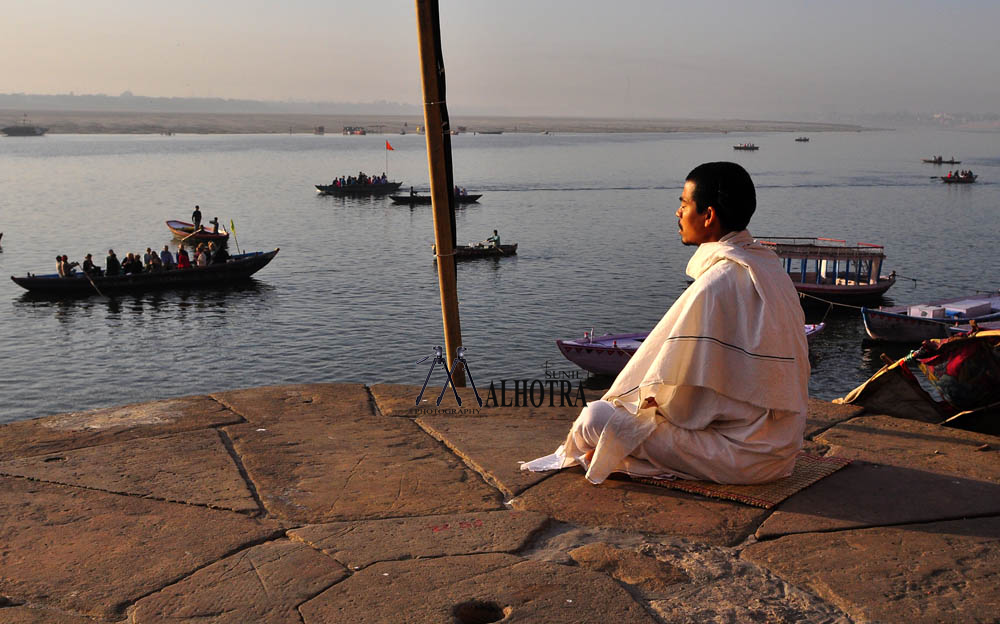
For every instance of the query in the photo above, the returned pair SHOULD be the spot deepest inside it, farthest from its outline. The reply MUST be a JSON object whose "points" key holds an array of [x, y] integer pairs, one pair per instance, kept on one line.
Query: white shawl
{"points": [[738, 329]]}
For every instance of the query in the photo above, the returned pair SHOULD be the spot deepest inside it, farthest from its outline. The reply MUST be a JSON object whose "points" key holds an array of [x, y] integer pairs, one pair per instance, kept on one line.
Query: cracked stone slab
{"points": [[474, 589], [631, 506], [937, 572], [62, 432], [913, 444], [359, 544], [352, 466], [823, 414], [270, 404], [685, 582], [400, 400], [868, 495], [192, 467], [28, 615], [263, 584], [493, 446], [93, 553]]}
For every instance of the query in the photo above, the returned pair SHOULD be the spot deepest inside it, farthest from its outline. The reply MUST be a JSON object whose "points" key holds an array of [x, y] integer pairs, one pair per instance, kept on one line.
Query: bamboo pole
{"points": [[438, 138]]}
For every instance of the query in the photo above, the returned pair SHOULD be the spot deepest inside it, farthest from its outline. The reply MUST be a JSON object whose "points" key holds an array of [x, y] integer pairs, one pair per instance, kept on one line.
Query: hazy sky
{"points": [[643, 58]]}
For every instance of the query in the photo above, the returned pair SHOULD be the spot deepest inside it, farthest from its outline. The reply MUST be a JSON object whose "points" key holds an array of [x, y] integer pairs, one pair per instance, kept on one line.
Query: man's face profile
{"points": [[695, 228]]}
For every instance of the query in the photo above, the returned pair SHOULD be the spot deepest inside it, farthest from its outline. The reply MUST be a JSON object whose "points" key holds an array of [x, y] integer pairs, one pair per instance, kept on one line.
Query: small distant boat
{"points": [[489, 132], [959, 179], [184, 230], [802, 139], [941, 161], [830, 268], [426, 199], [358, 190], [746, 147], [24, 129], [355, 130], [938, 319], [608, 354], [470, 252], [237, 268]]}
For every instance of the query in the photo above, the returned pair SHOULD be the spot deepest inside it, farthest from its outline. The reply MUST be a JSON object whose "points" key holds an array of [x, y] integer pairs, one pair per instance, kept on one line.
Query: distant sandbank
{"points": [[84, 122]]}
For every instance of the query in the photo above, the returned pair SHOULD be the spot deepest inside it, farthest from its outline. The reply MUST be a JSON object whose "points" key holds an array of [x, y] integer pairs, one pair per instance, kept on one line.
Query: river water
{"points": [[352, 296]]}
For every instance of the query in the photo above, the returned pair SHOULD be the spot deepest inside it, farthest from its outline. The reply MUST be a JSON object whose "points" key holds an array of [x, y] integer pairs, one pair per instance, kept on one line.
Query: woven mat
{"points": [[808, 470]]}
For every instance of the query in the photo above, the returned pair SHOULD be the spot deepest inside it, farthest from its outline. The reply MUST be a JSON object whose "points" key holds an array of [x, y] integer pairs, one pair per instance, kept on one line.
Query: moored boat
{"points": [[746, 147], [185, 231], [937, 319], [608, 354], [237, 268], [832, 269], [469, 252], [426, 199], [358, 190]]}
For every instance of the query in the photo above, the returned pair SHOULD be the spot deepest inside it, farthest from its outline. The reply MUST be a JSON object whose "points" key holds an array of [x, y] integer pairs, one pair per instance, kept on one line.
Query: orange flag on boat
{"points": [[389, 147]]}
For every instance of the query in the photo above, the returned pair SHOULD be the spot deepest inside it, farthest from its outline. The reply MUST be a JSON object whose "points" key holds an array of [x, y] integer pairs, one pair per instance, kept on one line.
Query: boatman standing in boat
{"points": [[718, 390], [196, 218]]}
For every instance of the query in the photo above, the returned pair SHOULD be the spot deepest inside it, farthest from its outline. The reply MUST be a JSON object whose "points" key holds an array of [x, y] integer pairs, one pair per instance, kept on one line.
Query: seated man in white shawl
{"points": [[718, 390]]}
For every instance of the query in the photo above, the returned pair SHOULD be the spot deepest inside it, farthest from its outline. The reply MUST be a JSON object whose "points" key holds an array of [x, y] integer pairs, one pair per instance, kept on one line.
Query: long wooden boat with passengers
{"points": [[237, 268], [940, 161], [608, 354], [185, 231], [959, 179], [832, 269], [358, 190]]}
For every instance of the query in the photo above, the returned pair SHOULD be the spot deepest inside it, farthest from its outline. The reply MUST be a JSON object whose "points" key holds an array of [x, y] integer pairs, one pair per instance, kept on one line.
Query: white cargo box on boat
{"points": [[968, 308], [927, 311]]}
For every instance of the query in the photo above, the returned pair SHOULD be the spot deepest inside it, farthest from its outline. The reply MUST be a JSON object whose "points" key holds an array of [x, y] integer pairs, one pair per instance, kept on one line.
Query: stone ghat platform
{"points": [[345, 503]]}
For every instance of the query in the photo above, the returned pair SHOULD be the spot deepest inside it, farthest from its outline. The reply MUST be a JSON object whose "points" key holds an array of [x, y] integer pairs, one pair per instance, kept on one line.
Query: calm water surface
{"points": [[352, 296]]}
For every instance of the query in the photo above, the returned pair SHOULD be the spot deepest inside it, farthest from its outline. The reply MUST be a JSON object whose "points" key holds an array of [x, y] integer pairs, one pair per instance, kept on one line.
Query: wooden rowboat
{"points": [[470, 252], [608, 354], [237, 268], [426, 199], [185, 231], [967, 179]]}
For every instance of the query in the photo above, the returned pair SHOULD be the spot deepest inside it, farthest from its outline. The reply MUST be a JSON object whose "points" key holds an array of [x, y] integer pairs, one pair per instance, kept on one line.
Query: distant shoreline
{"points": [[100, 122]]}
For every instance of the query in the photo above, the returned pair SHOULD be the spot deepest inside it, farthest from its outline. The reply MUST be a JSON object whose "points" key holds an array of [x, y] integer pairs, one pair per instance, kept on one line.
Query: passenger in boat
{"points": [[219, 253], [64, 267], [155, 266], [166, 258], [196, 218], [215, 225], [147, 258], [111, 264], [718, 391], [89, 267], [183, 260], [200, 255], [131, 265]]}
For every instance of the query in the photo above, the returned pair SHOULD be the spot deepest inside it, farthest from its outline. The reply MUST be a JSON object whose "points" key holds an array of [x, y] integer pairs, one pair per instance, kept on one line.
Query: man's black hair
{"points": [[726, 187]]}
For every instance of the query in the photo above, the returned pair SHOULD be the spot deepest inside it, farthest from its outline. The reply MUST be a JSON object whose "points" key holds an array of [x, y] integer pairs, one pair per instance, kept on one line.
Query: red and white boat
{"points": [[608, 354]]}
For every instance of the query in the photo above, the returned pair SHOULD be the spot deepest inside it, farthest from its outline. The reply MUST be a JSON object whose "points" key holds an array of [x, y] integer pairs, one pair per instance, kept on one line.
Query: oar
{"points": [[91, 280]]}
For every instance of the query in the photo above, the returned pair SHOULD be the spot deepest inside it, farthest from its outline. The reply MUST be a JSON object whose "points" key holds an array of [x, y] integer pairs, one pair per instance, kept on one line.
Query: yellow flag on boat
{"points": [[232, 226]]}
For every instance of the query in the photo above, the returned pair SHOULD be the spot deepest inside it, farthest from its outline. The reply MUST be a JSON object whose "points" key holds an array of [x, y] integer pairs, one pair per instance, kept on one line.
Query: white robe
{"points": [[728, 365]]}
